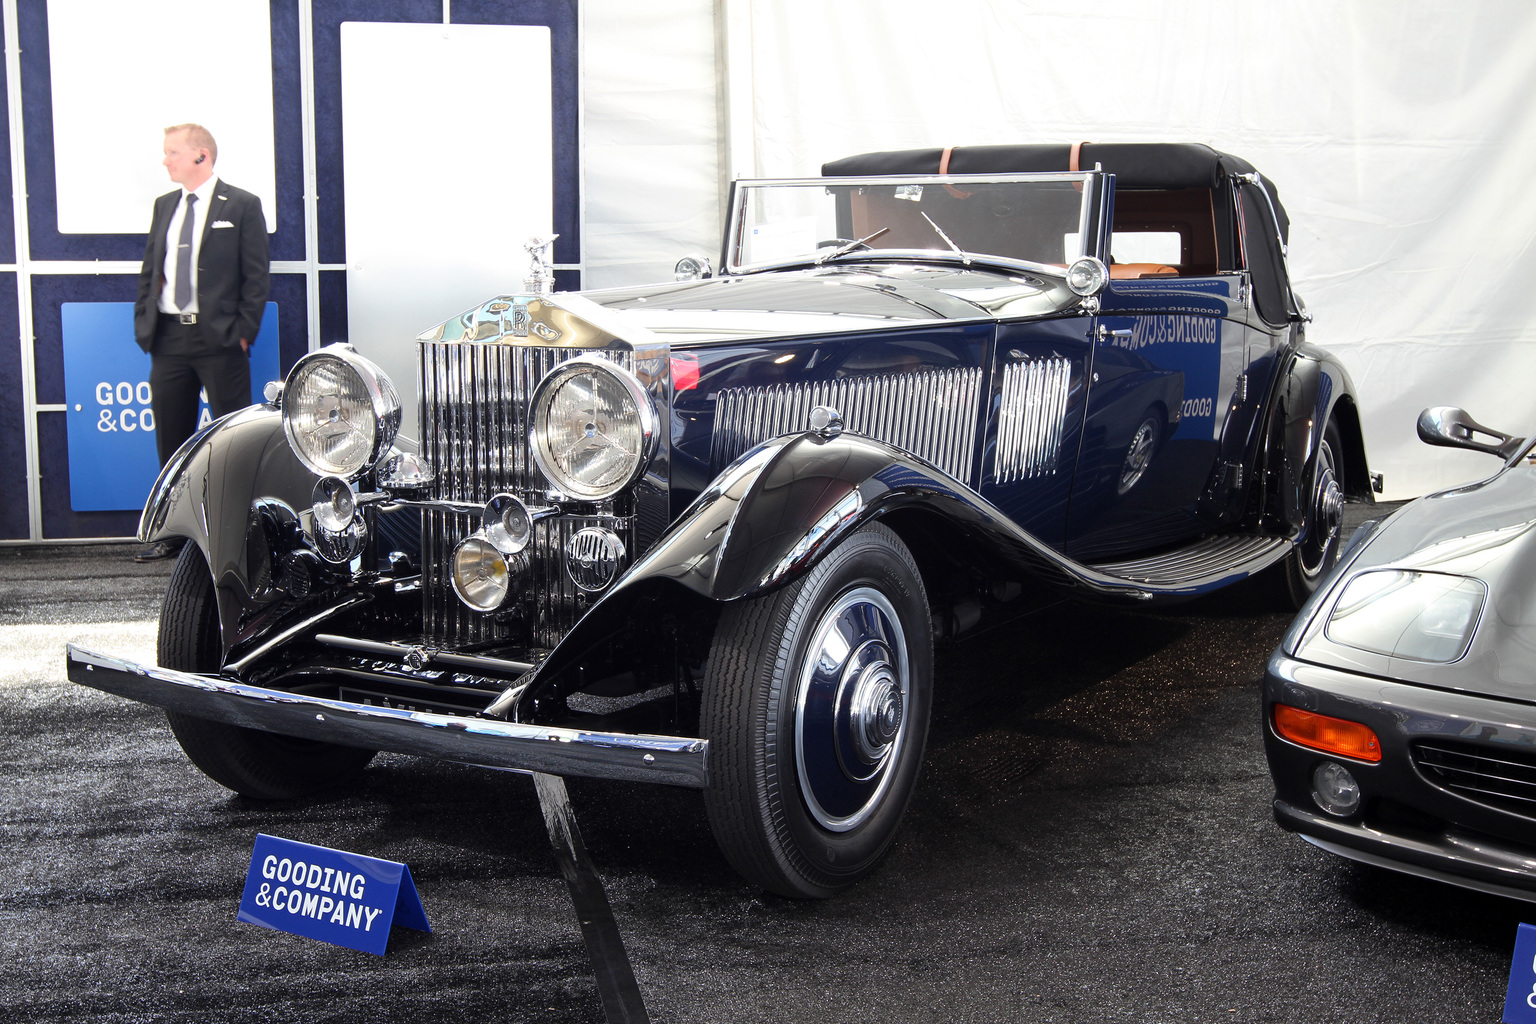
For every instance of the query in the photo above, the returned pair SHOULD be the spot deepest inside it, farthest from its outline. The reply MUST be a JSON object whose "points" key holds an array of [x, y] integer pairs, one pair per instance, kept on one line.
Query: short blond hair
{"points": [[198, 137]]}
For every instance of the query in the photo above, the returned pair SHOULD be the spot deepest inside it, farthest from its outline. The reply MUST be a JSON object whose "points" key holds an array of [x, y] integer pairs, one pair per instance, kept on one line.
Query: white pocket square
{"points": [[223, 224]]}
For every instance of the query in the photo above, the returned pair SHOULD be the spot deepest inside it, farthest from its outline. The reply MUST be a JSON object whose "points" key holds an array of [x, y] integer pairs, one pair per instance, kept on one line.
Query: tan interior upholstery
{"points": [[1132, 271]]}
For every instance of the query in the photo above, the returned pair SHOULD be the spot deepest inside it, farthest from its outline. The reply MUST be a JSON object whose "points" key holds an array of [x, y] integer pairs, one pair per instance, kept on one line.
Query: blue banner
{"points": [[108, 421], [1520, 998], [345, 899]]}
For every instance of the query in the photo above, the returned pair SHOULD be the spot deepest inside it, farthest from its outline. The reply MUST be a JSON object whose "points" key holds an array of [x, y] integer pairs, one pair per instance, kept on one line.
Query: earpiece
{"points": [[201, 158]]}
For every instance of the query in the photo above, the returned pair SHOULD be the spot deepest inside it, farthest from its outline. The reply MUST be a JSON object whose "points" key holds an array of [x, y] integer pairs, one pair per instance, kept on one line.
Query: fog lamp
{"points": [[1335, 789], [334, 504], [507, 524], [480, 574], [339, 532]]}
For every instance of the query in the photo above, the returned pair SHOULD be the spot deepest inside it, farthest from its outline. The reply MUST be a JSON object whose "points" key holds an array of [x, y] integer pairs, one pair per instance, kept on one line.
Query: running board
{"points": [[1204, 565]]}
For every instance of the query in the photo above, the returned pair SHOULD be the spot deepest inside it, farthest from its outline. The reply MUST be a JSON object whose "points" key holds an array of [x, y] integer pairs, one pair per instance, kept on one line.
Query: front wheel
{"points": [[257, 764], [1318, 550], [816, 706]]}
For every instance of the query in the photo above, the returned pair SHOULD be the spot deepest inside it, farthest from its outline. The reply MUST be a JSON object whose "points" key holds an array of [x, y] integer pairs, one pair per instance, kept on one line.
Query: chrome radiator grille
{"points": [[932, 414], [1032, 419], [474, 433]]}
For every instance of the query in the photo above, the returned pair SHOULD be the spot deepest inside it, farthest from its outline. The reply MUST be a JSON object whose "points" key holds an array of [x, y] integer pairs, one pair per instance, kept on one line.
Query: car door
{"points": [[1166, 354]]}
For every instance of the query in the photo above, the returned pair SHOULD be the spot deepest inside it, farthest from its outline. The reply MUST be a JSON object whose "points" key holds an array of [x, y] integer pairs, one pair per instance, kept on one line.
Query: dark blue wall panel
{"points": [[42, 196], [49, 292], [13, 438]]}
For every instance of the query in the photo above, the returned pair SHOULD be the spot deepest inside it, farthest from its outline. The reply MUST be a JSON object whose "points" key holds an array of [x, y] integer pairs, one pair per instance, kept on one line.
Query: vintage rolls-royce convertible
{"points": [[706, 533]]}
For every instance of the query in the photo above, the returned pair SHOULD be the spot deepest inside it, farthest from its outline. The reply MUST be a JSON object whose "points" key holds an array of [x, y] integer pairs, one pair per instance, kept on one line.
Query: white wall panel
{"points": [[122, 72], [447, 142], [651, 152]]}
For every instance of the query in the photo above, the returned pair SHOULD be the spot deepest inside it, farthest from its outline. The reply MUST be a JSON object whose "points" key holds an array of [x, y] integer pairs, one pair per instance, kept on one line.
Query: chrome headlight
{"points": [[340, 411], [592, 428], [1426, 616]]}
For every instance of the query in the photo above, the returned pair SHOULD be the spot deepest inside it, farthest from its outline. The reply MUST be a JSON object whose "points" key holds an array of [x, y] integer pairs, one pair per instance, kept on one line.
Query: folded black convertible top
{"points": [[1134, 164]]}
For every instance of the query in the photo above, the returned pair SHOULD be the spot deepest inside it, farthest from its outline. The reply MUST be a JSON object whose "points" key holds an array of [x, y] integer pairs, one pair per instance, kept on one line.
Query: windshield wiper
{"points": [[964, 257], [844, 250]]}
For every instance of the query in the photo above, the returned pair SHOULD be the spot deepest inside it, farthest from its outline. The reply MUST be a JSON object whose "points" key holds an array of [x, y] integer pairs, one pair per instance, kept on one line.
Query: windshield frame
{"points": [[1093, 220]]}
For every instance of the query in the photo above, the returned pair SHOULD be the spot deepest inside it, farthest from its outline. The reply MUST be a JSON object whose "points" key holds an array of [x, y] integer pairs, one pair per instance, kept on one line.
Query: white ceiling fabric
{"points": [[1399, 135]]}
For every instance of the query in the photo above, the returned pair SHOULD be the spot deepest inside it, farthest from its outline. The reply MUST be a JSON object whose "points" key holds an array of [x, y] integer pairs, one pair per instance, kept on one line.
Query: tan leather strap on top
{"points": [[944, 169], [1077, 151]]}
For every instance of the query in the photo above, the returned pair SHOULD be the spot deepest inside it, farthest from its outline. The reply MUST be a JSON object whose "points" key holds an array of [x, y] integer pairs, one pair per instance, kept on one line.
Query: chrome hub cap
{"points": [[1138, 456], [850, 714]]}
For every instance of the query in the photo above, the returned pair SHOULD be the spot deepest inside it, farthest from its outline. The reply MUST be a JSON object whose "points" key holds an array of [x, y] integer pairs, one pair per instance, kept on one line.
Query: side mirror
{"points": [[1450, 427]]}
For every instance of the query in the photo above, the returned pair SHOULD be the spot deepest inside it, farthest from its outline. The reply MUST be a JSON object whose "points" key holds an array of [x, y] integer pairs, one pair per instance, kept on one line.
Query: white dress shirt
{"points": [[204, 193]]}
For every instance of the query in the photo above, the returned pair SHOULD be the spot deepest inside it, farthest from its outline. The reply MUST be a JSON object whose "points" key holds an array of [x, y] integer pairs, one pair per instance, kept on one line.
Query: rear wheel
{"points": [[1312, 559], [816, 707], [257, 764]]}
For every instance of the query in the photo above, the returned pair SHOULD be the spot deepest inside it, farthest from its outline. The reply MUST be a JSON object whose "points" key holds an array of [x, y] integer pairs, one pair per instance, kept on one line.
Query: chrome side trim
{"points": [[424, 655], [670, 760], [297, 628], [1032, 419], [932, 414]]}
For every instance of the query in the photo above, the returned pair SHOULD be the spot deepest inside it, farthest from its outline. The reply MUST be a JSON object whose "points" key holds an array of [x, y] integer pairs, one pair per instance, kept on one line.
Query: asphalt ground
{"points": [[1091, 840]]}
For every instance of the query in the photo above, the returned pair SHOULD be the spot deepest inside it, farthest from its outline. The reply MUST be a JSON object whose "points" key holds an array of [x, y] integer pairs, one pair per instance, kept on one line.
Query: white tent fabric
{"points": [[1399, 135]]}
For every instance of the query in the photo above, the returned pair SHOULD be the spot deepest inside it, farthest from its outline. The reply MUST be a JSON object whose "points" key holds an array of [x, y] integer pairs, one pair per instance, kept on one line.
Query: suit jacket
{"points": [[232, 269]]}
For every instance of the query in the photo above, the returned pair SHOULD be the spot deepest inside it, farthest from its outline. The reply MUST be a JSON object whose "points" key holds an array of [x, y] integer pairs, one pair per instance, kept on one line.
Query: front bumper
{"points": [[669, 760], [1407, 823]]}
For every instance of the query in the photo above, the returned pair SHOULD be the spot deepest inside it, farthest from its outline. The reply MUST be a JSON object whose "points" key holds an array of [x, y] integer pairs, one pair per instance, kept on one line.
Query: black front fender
{"points": [[775, 513], [207, 491], [1317, 389]]}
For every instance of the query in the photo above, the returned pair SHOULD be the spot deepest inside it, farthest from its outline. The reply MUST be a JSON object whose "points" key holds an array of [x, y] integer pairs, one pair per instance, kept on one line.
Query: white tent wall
{"points": [[1400, 136], [652, 136]]}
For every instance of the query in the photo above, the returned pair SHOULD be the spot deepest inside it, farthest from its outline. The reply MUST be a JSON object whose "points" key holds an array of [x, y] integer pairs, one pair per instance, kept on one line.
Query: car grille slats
{"points": [[1032, 419], [1501, 778], [931, 413], [474, 433]]}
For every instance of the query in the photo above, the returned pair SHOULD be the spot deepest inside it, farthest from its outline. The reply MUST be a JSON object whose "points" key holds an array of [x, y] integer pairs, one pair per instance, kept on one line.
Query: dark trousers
{"points": [[181, 364]]}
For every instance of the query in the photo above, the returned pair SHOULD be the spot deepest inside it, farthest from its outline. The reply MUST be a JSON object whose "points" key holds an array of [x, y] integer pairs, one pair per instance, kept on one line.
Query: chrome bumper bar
{"points": [[670, 760]]}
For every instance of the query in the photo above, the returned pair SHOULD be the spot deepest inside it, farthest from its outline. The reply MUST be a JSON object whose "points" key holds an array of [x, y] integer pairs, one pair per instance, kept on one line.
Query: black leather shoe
{"points": [[158, 550]]}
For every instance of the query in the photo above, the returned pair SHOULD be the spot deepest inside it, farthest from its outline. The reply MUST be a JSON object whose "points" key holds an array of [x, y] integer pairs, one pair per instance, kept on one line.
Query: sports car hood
{"points": [[831, 300], [1485, 531]]}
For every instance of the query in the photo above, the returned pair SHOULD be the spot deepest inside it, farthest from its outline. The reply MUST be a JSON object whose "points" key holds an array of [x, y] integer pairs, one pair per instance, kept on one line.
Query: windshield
{"points": [[1037, 219]]}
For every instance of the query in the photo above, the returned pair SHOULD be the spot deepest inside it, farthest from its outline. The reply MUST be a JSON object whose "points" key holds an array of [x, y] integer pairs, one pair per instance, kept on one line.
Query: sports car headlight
{"points": [[1427, 616], [592, 428], [340, 411]]}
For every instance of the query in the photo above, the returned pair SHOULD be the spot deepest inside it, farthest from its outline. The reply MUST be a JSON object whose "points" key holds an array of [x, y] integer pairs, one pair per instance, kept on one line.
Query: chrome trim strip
{"points": [[1032, 419], [295, 629], [670, 760], [930, 413], [428, 655]]}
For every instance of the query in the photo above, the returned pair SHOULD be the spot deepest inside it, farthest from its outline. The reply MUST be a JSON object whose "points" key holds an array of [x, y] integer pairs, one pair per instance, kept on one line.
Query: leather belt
{"points": [[180, 318]]}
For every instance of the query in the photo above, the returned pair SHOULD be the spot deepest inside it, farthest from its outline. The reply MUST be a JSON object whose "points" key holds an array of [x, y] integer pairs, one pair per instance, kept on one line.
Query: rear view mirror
{"points": [[1450, 427]]}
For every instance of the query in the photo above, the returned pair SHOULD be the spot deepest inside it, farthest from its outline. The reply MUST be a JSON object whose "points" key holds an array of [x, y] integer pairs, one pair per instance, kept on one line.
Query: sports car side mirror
{"points": [[1450, 427]]}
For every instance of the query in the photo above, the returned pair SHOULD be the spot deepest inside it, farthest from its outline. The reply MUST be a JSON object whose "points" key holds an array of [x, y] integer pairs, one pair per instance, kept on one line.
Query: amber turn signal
{"points": [[1320, 732]]}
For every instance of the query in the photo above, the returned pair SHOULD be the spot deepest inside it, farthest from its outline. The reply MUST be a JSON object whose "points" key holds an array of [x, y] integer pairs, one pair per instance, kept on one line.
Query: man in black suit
{"points": [[202, 290]]}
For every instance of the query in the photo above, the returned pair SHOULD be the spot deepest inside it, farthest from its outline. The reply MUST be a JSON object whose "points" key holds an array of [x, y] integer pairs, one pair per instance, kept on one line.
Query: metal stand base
{"points": [[615, 977]]}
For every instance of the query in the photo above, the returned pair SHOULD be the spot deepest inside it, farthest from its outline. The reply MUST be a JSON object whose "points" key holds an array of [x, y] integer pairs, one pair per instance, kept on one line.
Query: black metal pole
{"points": [[615, 978]]}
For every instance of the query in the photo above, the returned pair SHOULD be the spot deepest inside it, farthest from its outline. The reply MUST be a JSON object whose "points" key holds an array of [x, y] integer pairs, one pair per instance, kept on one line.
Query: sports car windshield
{"points": [[1034, 219]]}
